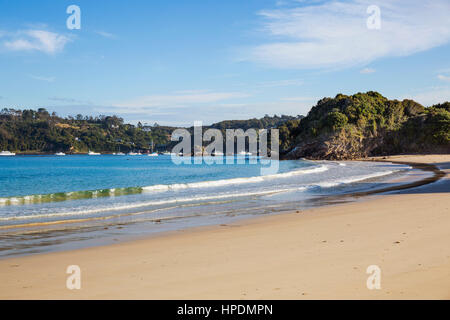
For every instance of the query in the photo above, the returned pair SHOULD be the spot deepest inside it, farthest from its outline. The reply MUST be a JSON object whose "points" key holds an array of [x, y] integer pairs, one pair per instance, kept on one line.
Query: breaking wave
{"points": [[77, 195]]}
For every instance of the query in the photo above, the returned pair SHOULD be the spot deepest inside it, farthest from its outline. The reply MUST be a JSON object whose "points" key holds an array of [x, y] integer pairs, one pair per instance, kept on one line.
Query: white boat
{"points": [[217, 154], [119, 154], [167, 154], [154, 154], [60, 154], [7, 154], [133, 154], [91, 153]]}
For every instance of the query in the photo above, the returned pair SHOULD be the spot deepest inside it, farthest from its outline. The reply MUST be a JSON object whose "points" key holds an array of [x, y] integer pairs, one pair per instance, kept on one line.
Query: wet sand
{"points": [[322, 253]]}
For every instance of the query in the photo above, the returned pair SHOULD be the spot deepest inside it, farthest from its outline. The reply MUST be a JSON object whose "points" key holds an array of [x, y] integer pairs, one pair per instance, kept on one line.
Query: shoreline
{"points": [[216, 253], [322, 201], [438, 174]]}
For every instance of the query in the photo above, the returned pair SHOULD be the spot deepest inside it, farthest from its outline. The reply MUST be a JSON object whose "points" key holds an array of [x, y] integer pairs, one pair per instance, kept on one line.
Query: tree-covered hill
{"points": [[368, 124], [267, 122], [285, 124], [30, 131]]}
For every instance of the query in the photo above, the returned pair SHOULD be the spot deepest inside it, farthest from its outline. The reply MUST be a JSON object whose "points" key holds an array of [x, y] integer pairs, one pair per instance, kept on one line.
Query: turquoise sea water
{"points": [[29, 175], [50, 202]]}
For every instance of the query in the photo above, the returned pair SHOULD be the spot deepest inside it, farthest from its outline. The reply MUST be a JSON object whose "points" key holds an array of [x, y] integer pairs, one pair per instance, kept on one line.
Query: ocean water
{"points": [[50, 203]]}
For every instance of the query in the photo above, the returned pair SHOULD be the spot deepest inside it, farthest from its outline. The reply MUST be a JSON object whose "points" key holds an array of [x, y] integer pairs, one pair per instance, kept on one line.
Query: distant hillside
{"points": [[285, 124], [30, 131], [368, 124], [267, 122]]}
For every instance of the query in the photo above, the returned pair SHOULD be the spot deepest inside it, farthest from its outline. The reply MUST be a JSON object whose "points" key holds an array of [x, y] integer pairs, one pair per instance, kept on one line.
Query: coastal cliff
{"points": [[368, 124]]}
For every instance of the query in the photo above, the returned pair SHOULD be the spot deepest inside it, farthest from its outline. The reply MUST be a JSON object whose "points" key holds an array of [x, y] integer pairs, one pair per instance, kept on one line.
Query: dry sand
{"points": [[321, 253]]}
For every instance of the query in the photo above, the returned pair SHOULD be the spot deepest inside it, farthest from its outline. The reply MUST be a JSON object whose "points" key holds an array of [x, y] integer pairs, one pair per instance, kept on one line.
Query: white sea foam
{"points": [[119, 207], [234, 181], [143, 204], [177, 186], [334, 183], [205, 191]]}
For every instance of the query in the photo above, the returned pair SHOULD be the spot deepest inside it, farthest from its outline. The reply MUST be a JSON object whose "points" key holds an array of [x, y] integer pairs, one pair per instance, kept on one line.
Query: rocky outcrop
{"points": [[368, 124], [336, 147]]}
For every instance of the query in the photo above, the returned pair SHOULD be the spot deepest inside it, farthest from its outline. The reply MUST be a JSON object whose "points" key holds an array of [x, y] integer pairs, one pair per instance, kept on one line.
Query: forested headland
{"points": [[369, 124]]}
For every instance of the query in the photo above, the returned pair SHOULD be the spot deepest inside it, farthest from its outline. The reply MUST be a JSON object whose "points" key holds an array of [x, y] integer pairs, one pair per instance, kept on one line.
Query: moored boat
{"points": [[7, 154], [217, 154]]}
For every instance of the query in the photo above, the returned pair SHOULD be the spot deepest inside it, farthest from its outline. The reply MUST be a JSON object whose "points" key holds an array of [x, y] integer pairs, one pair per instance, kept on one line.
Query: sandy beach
{"points": [[322, 253]]}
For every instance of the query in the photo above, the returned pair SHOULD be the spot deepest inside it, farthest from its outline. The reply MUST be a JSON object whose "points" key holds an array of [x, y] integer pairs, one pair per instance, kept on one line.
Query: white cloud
{"points": [[181, 98], [335, 34], [70, 100], [41, 78], [185, 107], [431, 96], [36, 40], [181, 116], [367, 71], [106, 34], [443, 78], [190, 92], [281, 3]]}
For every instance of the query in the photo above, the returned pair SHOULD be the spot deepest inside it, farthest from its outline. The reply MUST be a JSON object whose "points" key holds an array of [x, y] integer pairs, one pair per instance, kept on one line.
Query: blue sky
{"points": [[176, 62]]}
